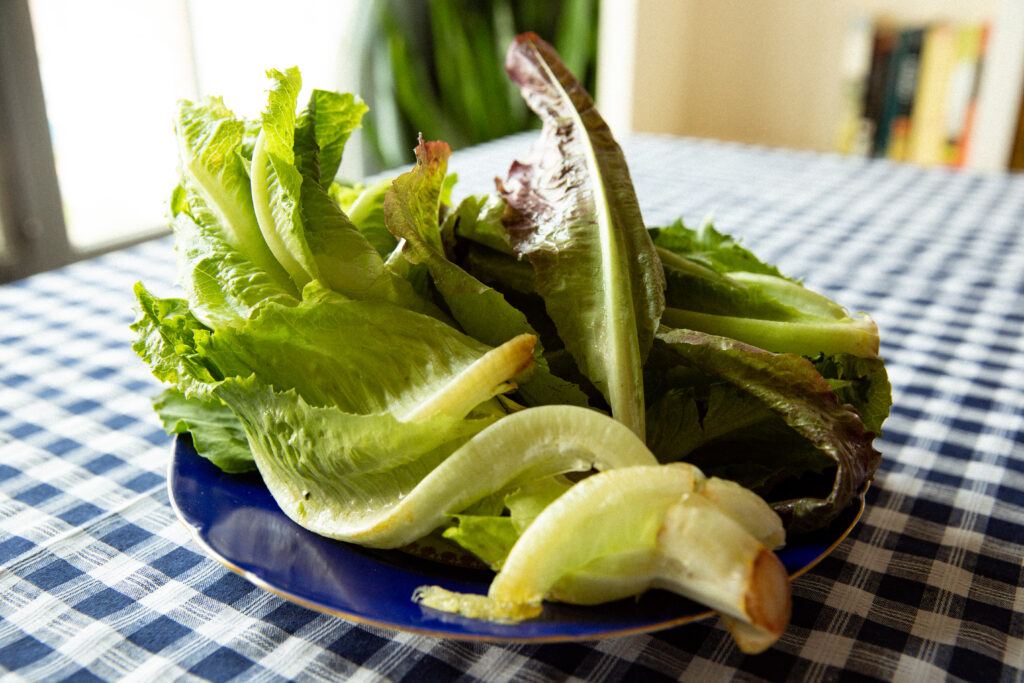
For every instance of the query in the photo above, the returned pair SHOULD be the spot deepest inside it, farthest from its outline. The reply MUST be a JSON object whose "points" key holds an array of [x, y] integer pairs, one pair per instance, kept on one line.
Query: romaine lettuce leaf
{"points": [[716, 286], [215, 430], [321, 132], [624, 530], [364, 206], [277, 182], [382, 482], [573, 212], [222, 285], [215, 180]]}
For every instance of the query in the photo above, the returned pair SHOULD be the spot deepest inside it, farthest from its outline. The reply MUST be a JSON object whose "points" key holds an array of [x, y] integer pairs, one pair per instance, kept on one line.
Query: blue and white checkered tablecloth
{"points": [[100, 581]]}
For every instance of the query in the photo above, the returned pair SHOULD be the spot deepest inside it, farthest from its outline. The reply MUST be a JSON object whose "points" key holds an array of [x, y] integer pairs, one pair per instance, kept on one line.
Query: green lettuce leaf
{"points": [[573, 212], [717, 251], [619, 532], [216, 432], [277, 182], [215, 182], [383, 482], [364, 206], [173, 343], [478, 218], [491, 536], [716, 286], [322, 130], [862, 383], [221, 283]]}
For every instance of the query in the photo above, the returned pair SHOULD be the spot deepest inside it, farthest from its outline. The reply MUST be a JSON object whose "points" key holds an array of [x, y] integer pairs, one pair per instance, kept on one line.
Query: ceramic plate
{"points": [[236, 521]]}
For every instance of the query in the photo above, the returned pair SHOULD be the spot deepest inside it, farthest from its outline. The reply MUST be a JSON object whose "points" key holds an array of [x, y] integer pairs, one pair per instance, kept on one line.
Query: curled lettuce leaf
{"points": [[790, 388], [628, 529], [384, 483]]}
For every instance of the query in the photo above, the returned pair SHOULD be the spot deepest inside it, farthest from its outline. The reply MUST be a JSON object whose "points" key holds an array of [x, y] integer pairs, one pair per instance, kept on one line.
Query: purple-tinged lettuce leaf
{"points": [[573, 211], [791, 387], [411, 211]]}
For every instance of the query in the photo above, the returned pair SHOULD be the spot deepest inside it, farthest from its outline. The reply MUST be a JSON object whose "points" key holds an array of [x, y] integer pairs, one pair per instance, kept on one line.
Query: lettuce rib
{"points": [[302, 471]]}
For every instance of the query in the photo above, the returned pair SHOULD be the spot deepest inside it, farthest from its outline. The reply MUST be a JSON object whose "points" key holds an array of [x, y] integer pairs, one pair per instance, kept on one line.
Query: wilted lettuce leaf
{"points": [[790, 387], [573, 212]]}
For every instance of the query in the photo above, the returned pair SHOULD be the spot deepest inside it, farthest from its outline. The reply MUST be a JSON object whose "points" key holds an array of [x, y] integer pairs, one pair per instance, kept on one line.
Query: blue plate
{"points": [[236, 521]]}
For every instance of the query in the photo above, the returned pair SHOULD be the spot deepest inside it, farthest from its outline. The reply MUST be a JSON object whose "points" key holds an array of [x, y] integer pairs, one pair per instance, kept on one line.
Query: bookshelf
{"points": [[777, 72]]}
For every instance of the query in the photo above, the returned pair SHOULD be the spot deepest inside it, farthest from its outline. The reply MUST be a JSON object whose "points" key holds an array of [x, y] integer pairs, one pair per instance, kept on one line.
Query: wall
{"points": [[766, 72]]}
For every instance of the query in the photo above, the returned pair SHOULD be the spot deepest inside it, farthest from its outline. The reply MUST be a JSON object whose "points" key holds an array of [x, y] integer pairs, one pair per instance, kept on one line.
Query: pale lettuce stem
{"points": [[367, 201], [856, 336]]}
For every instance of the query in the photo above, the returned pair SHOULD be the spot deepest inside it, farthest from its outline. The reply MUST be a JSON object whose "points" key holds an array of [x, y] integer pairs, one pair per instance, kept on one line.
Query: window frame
{"points": [[31, 208]]}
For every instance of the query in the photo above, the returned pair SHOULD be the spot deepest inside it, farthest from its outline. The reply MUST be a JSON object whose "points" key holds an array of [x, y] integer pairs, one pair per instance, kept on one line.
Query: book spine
{"points": [[926, 142], [963, 92], [903, 92], [874, 93]]}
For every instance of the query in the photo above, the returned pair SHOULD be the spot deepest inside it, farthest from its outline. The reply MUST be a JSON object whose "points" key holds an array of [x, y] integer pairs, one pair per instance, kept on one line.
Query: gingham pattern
{"points": [[99, 581]]}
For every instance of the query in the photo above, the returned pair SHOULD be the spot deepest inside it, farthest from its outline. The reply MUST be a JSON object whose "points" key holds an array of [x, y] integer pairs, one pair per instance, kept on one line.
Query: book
{"points": [[926, 144], [854, 135], [1017, 153], [901, 89], [874, 89], [961, 103]]}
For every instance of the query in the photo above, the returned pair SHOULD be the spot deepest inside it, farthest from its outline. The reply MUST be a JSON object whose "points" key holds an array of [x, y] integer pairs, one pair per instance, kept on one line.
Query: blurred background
{"points": [[88, 89]]}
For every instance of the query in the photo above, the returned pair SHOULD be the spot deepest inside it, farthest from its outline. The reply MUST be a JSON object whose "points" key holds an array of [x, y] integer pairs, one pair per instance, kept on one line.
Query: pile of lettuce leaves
{"points": [[355, 343]]}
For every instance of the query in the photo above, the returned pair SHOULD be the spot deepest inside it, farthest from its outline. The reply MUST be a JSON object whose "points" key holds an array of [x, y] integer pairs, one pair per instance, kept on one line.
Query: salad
{"points": [[591, 406]]}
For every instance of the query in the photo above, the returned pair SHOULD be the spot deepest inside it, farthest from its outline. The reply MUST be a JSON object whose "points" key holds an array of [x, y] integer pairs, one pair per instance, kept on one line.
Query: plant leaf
{"points": [[216, 432]]}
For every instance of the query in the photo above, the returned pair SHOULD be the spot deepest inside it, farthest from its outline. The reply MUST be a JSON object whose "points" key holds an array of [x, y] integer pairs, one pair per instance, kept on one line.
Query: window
{"points": [[87, 95]]}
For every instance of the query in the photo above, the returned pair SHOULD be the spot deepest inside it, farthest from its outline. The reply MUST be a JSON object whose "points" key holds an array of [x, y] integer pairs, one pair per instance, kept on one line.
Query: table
{"points": [[99, 580]]}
